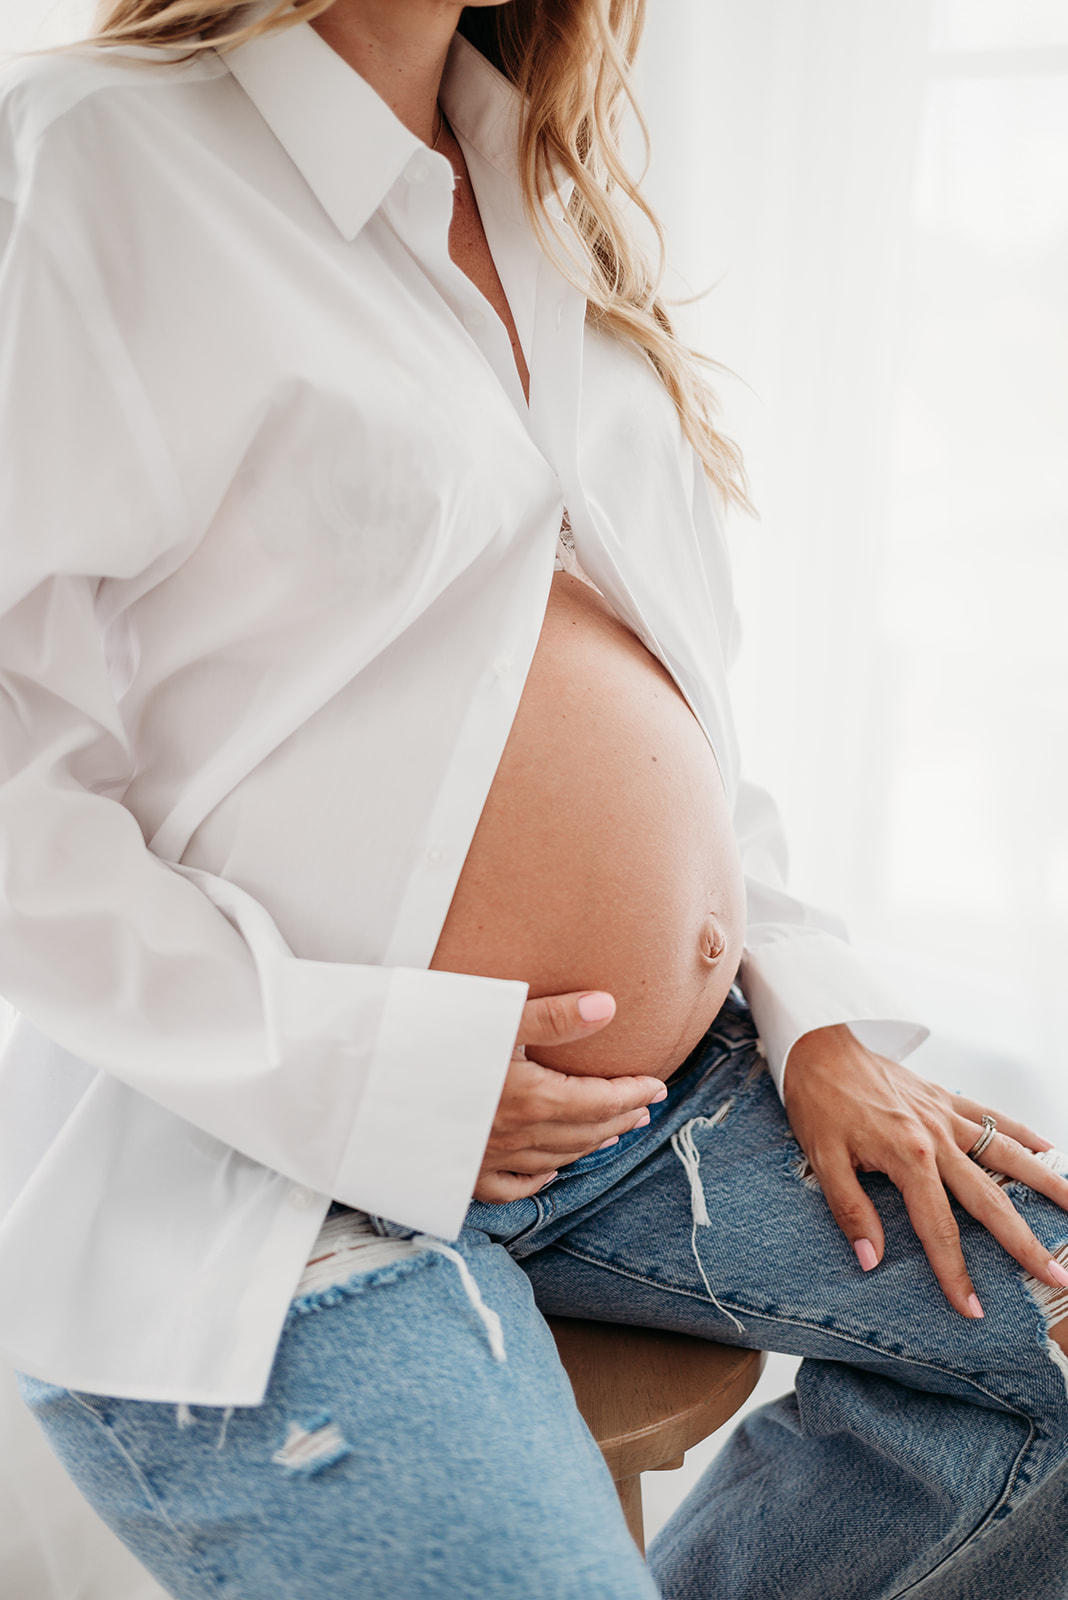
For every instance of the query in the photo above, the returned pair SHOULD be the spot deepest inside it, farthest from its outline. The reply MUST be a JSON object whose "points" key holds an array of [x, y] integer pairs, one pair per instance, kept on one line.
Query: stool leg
{"points": [[629, 1491]]}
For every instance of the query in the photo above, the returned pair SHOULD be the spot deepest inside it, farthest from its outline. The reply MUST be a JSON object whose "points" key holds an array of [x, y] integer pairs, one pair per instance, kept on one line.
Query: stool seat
{"points": [[647, 1396]]}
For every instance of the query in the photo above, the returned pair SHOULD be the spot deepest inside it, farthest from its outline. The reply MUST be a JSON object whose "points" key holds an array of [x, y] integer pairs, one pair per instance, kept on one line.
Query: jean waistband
{"points": [[731, 1039]]}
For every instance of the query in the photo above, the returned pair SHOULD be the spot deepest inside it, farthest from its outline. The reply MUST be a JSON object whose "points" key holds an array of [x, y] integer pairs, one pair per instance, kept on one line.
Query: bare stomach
{"points": [[604, 857]]}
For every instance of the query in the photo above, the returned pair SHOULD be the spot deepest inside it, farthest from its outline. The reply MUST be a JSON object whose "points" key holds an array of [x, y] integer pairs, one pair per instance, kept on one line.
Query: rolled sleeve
{"points": [[426, 1112], [802, 979], [799, 971]]}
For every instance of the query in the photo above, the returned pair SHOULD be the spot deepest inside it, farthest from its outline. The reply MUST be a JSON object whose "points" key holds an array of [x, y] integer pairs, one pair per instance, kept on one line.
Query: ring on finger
{"points": [[990, 1127]]}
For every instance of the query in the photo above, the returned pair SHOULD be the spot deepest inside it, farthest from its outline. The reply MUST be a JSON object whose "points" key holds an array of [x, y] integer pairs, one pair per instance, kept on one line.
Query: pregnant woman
{"points": [[397, 950]]}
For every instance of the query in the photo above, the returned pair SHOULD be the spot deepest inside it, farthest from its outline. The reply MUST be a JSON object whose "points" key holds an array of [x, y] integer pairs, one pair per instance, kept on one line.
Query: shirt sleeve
{"points": [[798, 970], [376, 1086]]}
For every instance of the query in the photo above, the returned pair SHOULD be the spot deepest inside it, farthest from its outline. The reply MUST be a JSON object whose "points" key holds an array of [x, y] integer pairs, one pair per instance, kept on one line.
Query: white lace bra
{"points": [[566, 559]]}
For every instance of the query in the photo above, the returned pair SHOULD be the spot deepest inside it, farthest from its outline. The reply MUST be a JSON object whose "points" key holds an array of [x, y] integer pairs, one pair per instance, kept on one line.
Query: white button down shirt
{"points": [[277, 529]]}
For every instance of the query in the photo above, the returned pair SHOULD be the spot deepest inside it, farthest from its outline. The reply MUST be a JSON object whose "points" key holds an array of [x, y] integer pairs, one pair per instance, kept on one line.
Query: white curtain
{"points": [[878, 192]]}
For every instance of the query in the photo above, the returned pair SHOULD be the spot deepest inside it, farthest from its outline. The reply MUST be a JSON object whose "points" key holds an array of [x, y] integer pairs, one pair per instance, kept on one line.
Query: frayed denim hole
{"points": [[311, 1446], [801, 1168], [1018, 1188], [360, 1281], [390, 1230], [335, 1294], [795, 1164]]}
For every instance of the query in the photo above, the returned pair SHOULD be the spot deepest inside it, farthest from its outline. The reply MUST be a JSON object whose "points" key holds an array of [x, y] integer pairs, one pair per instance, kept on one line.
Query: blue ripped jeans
{"points": [[398, 1456]]}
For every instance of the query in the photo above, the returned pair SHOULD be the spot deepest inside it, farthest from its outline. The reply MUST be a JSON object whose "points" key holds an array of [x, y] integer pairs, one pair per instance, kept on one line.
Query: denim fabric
{"points": [[922, 1454]]}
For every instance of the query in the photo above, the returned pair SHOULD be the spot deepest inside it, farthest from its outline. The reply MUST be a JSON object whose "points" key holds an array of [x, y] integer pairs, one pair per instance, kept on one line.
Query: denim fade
{"points": [[398, 1457]]}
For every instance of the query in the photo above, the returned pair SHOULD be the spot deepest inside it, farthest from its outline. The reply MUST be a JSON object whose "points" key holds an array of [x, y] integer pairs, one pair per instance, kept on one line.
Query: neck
{"points": [[398, 47]]}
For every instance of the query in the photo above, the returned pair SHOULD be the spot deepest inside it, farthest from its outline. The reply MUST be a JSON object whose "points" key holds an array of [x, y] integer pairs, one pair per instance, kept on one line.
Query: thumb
{"points": [[560, 1018]]}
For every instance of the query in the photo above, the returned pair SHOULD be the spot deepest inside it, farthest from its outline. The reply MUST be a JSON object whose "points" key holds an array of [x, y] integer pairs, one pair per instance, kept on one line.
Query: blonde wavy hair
{"points": [[571, 61]]}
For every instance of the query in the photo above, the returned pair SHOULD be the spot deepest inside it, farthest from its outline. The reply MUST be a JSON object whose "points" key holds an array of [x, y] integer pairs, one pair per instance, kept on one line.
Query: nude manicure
{"points": [[1057, 1273], [643, 1121], [866, 1253], [974, 1308], [661, 1094], [613, 1140], [596, 1006]]}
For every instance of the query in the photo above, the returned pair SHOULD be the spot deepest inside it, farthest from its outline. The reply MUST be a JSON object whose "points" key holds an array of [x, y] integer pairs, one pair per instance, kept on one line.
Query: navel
{"points": [[712, 941]]}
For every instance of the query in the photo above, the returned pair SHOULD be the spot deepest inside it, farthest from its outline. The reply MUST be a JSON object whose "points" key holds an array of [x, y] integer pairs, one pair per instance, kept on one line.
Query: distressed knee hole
{"points": [[313, 1446], [349, 1256], [802, 1169], [1056, 1160], [348, 1245]]}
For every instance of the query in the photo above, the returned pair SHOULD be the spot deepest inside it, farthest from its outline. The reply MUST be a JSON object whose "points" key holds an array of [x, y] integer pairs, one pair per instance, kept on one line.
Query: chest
{"points": [[469, 249]]}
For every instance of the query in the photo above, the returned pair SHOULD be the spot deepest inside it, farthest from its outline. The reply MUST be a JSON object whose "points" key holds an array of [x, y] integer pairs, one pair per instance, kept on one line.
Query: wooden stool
{"points": [[648, 1397]]}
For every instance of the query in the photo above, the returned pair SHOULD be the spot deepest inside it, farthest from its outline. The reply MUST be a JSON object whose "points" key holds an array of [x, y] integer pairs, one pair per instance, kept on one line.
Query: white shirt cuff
{"points": [[440, 1062], [806, 979]]}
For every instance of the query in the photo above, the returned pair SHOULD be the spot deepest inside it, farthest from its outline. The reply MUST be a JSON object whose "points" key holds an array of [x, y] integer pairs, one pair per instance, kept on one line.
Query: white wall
{"points": [[34, 24]]}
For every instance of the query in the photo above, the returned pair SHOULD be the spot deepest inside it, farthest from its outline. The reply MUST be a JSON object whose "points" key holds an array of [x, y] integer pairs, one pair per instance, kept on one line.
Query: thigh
{"points": [[913, 1434], [396, 1453], [723, 1232]]}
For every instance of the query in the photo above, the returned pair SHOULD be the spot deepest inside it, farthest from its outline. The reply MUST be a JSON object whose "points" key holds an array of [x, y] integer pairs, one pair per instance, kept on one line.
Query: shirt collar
{"points": [[344, 139]]}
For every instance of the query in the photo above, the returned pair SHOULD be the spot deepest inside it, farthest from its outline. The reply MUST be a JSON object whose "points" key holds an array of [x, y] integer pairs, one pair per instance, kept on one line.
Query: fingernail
{"points": [[550, 1178], [613, 1140], [974, 1308], [1057, 1273], [866, 1253], [596, 1006], [643, 1122], [661, 1094]]}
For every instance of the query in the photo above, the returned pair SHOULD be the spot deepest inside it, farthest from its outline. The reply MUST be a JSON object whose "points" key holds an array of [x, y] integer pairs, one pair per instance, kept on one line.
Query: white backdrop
{"points": [[878, 190], [880, 193]]}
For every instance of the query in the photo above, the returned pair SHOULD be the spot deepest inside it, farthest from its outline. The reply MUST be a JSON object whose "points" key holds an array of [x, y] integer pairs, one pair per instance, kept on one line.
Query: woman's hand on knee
{"points": [[855, 1111], [546, 1119]]}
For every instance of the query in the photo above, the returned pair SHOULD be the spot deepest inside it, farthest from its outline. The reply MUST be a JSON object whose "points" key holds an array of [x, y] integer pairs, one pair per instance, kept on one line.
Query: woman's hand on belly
{"points": [[546, 1119]]}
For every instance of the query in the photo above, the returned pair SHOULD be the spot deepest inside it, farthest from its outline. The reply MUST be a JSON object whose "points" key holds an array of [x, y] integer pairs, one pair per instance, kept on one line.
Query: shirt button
{"points": [[502, 666], [417, 170], [475, 321], [436, 855], [300, 1199]]}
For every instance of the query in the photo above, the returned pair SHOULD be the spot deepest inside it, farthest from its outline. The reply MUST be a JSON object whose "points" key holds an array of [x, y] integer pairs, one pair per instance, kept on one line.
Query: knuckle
{"points": [[544, 1104], [944, 1232], [850, 1214], [616, 1103], [554, 1016], [998, 1204]]}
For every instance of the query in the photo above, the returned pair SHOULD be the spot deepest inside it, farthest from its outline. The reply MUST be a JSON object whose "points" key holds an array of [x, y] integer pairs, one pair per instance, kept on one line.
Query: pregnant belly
{"points": [[604, 857]]}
